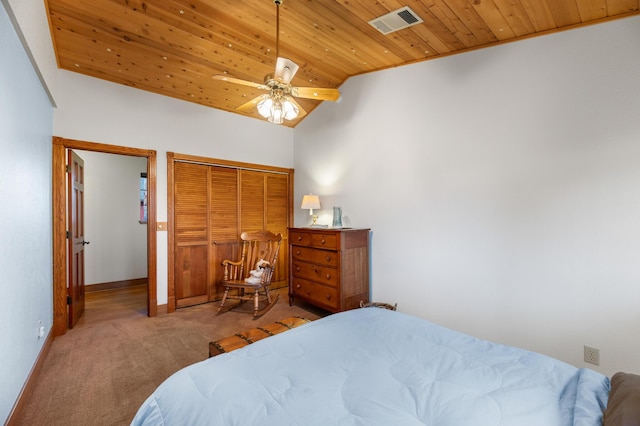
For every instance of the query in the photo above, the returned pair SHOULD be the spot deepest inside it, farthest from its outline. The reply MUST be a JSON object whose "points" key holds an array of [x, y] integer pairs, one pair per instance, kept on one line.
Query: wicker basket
{"points": [[378, 305]]}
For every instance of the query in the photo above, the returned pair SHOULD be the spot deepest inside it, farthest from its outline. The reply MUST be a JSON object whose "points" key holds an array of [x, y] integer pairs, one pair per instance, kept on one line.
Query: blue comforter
{"points": [[377, 367]]}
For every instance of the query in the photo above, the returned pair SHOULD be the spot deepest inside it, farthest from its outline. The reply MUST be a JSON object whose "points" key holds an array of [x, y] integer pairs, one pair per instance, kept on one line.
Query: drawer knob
{"points": [[328, 276], [298, 252], [297, 268], [299, 238], [328, 258], [323, 241], [298, 286], [328, 297]]}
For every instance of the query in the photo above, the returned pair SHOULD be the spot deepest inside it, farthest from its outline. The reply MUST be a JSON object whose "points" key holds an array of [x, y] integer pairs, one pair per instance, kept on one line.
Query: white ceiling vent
{"points": [[396, 20]]}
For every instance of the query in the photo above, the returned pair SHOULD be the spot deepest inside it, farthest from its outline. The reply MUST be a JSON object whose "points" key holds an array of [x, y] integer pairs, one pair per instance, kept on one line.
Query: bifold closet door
{"points": [[224, 230], [213, 205], [276, 220], [245, 201], [191, 281]]}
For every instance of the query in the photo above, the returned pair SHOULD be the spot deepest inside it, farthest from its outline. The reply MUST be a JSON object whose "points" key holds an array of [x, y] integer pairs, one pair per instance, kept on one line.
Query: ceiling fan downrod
{"points": [[277, 3]]}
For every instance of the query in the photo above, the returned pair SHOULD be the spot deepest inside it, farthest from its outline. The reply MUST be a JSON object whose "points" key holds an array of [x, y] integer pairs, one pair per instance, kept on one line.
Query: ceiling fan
{"points": [[278, 104]]}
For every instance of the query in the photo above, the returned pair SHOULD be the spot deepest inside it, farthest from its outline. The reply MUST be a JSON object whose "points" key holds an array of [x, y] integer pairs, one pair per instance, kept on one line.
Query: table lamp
{"points": [[311, 202]]}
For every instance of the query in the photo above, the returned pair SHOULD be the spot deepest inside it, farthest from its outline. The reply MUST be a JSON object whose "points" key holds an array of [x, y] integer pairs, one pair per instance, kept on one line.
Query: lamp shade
{"points": [[310, 202]]}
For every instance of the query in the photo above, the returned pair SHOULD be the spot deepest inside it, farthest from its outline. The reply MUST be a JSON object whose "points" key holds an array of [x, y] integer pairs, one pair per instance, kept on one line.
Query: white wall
{"points": [[94, 110], [32, 26], [25, 215], [502, 187], [118, 242]]}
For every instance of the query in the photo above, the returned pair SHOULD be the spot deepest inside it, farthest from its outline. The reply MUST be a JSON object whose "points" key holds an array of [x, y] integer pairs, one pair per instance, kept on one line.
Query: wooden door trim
{"points": [[59, 225], [224, 163], [171, 291]]}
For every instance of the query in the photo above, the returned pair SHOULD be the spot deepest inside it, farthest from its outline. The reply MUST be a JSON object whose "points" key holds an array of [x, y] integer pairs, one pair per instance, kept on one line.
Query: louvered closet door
{"points": [[264, 205], [276, 215], [213, 205], [224, 229], [191, 234]]}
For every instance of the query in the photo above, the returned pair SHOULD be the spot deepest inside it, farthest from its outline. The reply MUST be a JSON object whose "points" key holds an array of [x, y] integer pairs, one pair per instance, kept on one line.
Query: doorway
{"points": [[60, 291], [115, 231]]}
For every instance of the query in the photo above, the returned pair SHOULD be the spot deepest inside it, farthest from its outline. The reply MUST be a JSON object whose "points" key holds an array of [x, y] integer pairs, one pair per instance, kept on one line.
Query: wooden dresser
{"points": [[329, 268]]}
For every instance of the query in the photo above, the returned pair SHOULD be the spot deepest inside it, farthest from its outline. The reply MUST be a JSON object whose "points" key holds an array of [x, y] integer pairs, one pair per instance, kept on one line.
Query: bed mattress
{"points": [[378, 367]]}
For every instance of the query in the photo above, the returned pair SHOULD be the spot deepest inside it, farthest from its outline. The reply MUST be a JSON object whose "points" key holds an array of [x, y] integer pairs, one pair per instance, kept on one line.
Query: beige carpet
{"points": [[102, 370]]}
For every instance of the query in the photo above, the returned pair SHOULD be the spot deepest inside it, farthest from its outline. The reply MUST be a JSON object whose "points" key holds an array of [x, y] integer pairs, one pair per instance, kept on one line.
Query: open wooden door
{"points": [[75, 236]]}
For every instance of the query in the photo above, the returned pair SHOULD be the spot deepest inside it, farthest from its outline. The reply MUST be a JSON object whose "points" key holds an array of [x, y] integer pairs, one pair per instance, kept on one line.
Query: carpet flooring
{"points": [[101, 371]]}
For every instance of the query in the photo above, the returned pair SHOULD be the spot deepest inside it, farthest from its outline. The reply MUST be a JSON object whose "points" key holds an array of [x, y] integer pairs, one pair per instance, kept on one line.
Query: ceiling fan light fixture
{"points": [[277, 109], [279, 104]]}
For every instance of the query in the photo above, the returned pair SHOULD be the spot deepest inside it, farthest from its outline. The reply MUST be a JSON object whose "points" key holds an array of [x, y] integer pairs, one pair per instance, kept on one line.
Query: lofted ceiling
{"points": [[174, 47]]}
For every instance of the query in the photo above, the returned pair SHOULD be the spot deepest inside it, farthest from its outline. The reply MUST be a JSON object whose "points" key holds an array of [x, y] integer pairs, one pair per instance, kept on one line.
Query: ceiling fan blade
{"points": [[252, 103], [321, 94], [301, 111], [285, 70], [239, 81]]}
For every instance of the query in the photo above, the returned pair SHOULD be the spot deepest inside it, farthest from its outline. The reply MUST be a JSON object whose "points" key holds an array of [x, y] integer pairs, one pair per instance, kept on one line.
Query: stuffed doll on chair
{"points": [[255, 275]]}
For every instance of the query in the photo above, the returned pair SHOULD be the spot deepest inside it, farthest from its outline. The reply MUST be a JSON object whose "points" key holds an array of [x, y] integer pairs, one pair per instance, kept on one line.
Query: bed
{"points": [[375, 366]]}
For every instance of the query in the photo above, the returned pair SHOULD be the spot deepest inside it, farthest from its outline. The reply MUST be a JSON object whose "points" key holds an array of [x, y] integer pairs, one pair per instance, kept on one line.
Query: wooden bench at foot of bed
{"points": [[245, 338]]}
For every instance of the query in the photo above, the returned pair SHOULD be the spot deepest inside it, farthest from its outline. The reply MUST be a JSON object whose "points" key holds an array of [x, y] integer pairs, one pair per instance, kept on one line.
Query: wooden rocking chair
{"points": [[252, 273]]}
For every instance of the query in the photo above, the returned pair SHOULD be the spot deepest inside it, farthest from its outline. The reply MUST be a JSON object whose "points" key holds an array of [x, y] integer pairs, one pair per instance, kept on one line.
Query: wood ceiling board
{"points": [[476, 24], [592, 9], [618, 7], [494, 19], [516, 16], [139, 43], [565, 13], [539, 14]]}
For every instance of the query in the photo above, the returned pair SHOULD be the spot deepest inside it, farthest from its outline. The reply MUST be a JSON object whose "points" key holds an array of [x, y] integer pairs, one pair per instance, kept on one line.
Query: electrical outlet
{"points": [[592, 355], [40, 330]]}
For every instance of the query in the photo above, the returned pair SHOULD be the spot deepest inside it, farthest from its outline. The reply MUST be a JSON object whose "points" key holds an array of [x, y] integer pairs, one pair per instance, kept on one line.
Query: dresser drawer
{"points": [[323, 275], [315, 293], [320, 257], [326, 241]]}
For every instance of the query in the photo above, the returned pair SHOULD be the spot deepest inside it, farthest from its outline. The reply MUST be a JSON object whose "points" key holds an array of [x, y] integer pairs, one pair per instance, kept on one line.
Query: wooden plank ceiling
{"points": [[173, 47]]}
